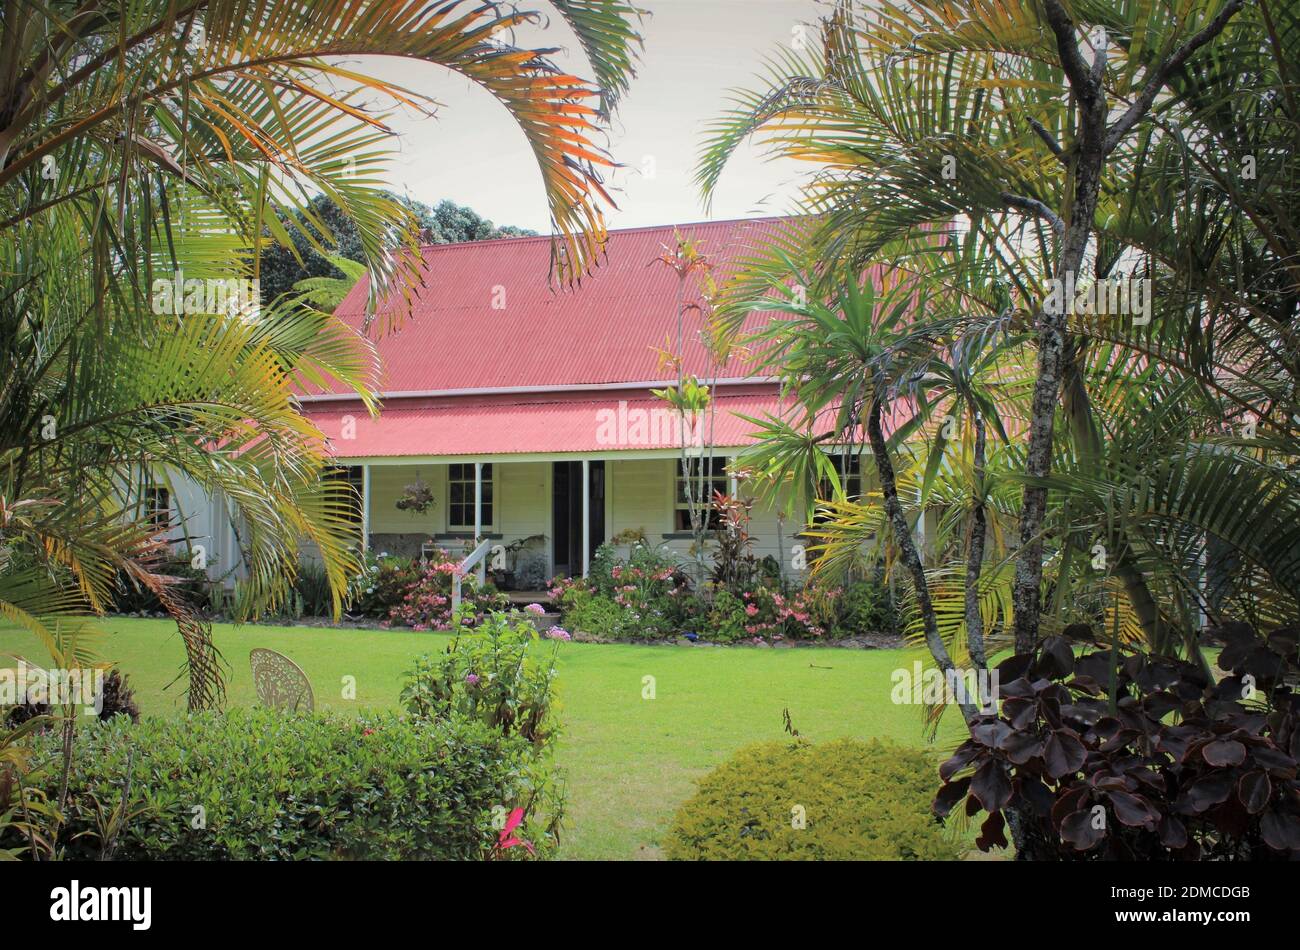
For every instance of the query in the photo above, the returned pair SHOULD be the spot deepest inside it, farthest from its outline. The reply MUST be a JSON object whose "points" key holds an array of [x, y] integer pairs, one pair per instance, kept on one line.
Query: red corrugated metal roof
{"points": [[605, 330], [473, 426]]}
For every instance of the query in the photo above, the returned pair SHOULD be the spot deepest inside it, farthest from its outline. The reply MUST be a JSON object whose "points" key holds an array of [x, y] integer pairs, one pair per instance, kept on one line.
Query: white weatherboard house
{"points": [[526, 410]]}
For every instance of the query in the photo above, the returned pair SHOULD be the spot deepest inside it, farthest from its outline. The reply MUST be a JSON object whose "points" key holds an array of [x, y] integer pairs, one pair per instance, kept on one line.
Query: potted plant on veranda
{"points": [[416, 497]]}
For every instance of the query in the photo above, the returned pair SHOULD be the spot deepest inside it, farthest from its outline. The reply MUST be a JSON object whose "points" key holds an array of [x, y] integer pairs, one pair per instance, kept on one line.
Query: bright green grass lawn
{"points": [[629, 761]]}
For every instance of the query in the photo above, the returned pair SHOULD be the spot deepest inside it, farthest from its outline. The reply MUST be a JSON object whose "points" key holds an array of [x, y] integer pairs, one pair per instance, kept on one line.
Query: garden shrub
{"points": [[859, 800], [498, 674], [311, 596], [601, 569], [273, 786], [727, 618], [382, 585], [865, 607], [426, 605], [593, 613], [641, 597], [734, 566], [763, 613], [308, 596]]}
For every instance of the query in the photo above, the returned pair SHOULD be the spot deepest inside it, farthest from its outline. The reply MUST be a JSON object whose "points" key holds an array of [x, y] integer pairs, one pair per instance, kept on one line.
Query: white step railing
{"points": [[476, 558]]}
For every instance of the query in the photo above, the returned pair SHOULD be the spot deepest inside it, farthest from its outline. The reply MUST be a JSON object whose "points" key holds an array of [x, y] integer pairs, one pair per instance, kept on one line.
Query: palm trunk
{"points": [[1088, 156], [1026, 596], [907, 550], [975, 556]]}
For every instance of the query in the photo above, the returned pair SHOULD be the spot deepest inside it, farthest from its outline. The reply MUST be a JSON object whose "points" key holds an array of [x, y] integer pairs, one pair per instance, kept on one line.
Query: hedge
{"points": [[257, 784]]}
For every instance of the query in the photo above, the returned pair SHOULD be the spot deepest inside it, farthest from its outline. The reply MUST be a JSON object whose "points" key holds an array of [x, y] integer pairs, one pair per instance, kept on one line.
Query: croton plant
{"points": [[1110, 755]]}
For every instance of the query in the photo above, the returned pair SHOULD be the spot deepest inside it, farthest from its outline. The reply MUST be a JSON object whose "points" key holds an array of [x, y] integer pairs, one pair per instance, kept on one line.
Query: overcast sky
{"points": [[695, 51]]}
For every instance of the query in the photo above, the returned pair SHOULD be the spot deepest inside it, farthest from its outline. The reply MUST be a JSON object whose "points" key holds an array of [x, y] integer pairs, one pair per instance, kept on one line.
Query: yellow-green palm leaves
{"points": [[147, 145], [941, 138]]}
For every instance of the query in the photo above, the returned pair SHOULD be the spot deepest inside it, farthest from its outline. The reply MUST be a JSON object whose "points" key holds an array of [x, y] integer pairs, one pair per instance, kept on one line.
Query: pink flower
{"points": [[471, 679], [751, 609], [535, 609], [558, 633]]}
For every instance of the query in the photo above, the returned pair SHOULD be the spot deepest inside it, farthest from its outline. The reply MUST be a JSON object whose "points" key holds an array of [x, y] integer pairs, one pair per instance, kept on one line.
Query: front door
{"points": [[566, 513]]}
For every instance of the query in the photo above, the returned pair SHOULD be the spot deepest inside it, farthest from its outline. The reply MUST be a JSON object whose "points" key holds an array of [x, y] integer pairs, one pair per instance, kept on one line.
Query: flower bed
{"points": [[649, 597], [417, 594]]}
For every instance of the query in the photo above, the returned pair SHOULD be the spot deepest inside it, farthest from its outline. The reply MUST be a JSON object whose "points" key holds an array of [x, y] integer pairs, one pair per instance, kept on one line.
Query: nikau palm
{"points": [[153, 147]]}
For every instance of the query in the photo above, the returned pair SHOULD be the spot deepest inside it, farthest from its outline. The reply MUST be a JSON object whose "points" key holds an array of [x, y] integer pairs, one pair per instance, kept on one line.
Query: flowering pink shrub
{"points": [[563, 585], [647, 594], [762, 614], [427, 603]]}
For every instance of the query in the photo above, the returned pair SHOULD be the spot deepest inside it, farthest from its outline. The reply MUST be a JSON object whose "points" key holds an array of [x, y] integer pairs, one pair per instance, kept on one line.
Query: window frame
{"points": [[352, 475], [489, 497], [160, 517], [851, 480], [681, 507]]}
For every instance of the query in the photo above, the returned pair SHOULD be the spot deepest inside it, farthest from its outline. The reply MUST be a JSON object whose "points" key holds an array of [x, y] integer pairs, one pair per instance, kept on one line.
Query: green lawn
{"points": [[629, 761]]}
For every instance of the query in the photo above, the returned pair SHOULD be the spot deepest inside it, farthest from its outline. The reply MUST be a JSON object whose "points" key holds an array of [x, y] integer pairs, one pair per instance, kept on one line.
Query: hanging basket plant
{"points": [[417, 497]]}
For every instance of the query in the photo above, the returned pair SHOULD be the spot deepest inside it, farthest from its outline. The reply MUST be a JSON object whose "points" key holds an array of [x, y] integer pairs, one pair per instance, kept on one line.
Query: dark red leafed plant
{"points": [[1147, 758]]}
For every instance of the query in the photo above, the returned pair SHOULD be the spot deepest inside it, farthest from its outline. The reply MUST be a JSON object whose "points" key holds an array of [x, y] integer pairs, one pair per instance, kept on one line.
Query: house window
{"points": [[460, 496], [715, 479], [351, 474], [158, 506], [849, 470]]}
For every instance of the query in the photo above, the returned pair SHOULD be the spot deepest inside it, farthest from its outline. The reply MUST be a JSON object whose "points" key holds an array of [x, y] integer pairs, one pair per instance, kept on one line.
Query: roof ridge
{"points": [[612, 231]]}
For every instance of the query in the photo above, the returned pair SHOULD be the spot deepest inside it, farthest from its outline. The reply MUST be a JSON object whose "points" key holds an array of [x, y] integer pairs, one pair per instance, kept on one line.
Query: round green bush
{"points": [[858, 800]]}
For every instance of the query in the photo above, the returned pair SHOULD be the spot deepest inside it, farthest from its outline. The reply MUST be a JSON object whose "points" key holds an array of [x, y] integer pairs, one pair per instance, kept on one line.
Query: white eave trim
{"points": [[521, 390]]}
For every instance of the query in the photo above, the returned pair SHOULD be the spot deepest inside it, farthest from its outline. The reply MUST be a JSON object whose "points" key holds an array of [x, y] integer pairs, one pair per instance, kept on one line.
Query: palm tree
{"points": [[150, 147], [844, 360], [1089, 154]]}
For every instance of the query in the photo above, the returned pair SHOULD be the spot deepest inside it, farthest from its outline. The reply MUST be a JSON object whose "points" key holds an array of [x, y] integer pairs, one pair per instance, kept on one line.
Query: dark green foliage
{"points": [[644, 562], [640, 598], [499, 674], [587, 611], [859, 801], [255, 784], [648, 597], [119, 698], [382, 585], [311, 590], [865, 607], [447, 223], [735, 568], [309, 596], [727, 619]]}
